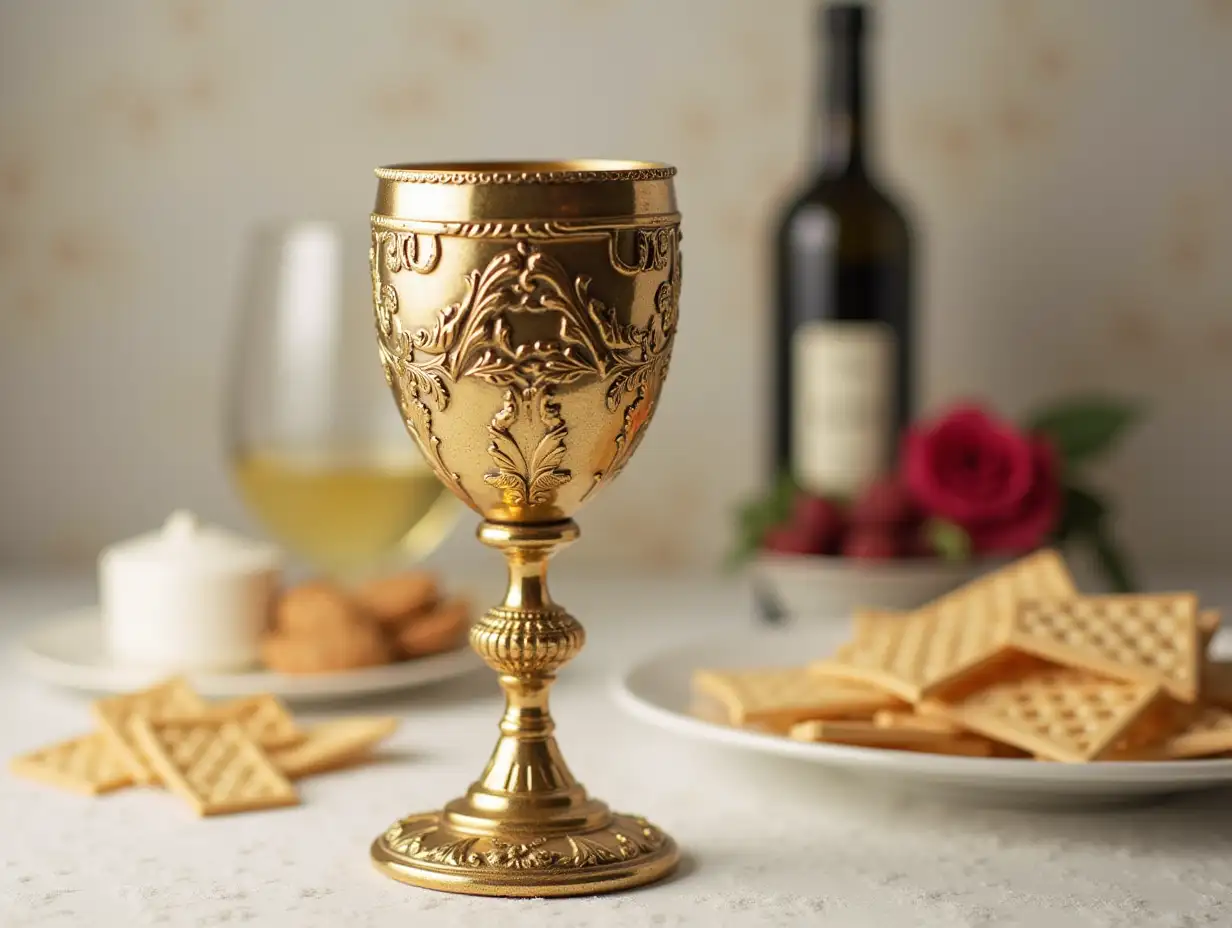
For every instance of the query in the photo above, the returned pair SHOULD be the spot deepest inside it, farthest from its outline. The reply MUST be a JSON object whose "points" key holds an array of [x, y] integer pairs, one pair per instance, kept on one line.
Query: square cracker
{"points": [[1148, 638], [962, 633], [262, 717], [913, 721], [778, 697], [1209, 731], [867, 624], [871, 735], [213, 764], [90, 765], [333, 744], [115, 714], [1054, 712], [1217, 683]]}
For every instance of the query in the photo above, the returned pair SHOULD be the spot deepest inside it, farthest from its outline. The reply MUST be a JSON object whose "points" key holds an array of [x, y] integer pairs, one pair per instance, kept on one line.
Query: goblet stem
{"points": [[526, 639], [526, 826]]}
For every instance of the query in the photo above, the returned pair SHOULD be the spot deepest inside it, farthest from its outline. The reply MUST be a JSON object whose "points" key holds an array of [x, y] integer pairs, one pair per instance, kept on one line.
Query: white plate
{"points": [[657, 689], [68, 651]]}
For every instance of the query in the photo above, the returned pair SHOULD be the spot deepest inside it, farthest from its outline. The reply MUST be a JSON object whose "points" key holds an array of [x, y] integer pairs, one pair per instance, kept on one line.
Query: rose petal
{"points": [[1036, 516], [969, 467]]}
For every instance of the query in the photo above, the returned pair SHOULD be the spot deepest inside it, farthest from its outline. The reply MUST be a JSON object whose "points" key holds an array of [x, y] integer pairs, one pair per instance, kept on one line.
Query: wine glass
{"points": [[317, 450]]}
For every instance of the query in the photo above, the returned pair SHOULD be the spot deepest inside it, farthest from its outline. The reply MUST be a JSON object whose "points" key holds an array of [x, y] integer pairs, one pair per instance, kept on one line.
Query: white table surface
{"points": [[768, 842]]}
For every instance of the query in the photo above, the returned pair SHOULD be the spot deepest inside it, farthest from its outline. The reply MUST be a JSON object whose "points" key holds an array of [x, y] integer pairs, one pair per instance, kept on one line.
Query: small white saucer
{"points": [[68, 650]]}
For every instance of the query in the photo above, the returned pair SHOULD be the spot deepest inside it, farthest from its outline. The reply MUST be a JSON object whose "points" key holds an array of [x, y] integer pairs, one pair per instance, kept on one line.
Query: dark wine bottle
{"points": [[843, 330]]}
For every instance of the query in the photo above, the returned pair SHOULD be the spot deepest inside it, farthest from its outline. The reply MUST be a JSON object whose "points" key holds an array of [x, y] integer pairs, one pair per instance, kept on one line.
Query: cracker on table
{"points": [[90, 765], [115, 714], [213, 765], [334, 744], [263, 718]]}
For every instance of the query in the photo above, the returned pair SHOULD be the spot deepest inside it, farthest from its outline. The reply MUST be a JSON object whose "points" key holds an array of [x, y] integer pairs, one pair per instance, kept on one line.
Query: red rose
{"points": [[983, 474]]}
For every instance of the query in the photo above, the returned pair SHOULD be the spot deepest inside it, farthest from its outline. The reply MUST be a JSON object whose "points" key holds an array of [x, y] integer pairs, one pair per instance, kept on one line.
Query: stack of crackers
{"points": [[321, 627], [1017, 663], [225, 757]]}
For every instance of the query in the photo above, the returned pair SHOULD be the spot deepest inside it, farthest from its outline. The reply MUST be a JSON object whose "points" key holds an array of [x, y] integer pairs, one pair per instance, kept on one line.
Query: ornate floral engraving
{"points": [[528, 480], [471, 338], [654, 249], [646, 379], [409, 251], [409, 838], [413, 384]]}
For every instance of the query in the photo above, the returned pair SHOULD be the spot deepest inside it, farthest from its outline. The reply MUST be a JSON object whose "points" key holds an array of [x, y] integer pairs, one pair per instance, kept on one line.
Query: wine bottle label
{"points": [[842, 404]]}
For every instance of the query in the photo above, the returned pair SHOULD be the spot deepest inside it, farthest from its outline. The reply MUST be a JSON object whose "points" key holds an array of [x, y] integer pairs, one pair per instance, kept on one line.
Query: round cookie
{"points": [[311, 610], [360, 646], [393, 600], [443, 629]]}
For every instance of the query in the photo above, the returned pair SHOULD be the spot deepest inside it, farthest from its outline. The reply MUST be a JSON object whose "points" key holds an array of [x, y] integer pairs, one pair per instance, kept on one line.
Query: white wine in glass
{"points": [[316, 447]]}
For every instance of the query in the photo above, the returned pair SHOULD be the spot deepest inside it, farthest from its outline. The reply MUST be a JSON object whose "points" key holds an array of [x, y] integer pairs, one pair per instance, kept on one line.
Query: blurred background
{"points": [[1065, 167]]}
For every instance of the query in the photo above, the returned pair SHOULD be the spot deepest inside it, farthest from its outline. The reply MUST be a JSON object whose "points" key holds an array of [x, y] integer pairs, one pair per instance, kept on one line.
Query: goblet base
{"points": [[426, 850]]}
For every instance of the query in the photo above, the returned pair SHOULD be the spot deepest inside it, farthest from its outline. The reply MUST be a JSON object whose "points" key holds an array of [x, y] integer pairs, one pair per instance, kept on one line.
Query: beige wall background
{"points": [[1068, 163]]}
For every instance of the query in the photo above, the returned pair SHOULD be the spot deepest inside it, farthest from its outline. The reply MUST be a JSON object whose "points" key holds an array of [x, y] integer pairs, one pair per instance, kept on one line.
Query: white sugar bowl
{"points": [[188, 597]]}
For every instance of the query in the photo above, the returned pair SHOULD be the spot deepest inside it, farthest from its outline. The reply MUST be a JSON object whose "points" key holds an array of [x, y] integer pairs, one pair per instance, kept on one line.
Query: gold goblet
{"points": [[525, 313]]}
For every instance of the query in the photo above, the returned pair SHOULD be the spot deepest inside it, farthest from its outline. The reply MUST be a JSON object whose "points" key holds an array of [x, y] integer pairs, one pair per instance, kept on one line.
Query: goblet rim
{"points": [[563, 171]]}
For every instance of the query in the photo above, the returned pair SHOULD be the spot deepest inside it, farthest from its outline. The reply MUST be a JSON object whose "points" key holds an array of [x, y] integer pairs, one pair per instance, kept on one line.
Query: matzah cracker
{"points": [[1149, 638], [1056, 713], [780, 696], [263, 717], [114, 714], [911, 721], [870, 735], [214, 765], [867, 623], [333, 744], [959, 634], [1217, 683], [90, 765], [1208, 732]]}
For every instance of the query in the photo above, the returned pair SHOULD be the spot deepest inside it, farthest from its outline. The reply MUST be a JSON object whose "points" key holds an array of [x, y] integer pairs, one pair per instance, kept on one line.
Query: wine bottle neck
{"points": [[843, 134]]}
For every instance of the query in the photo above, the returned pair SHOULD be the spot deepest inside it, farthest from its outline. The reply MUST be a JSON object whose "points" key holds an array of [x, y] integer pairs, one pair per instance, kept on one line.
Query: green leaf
{"points": [[1084, 429], [1111, 559], [1085, 521], [1081, 510], [948, 539], [757, 516]]}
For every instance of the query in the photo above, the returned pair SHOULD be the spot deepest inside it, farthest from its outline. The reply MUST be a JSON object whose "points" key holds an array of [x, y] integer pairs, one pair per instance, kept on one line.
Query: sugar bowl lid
{"points": [[184, 542]]}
